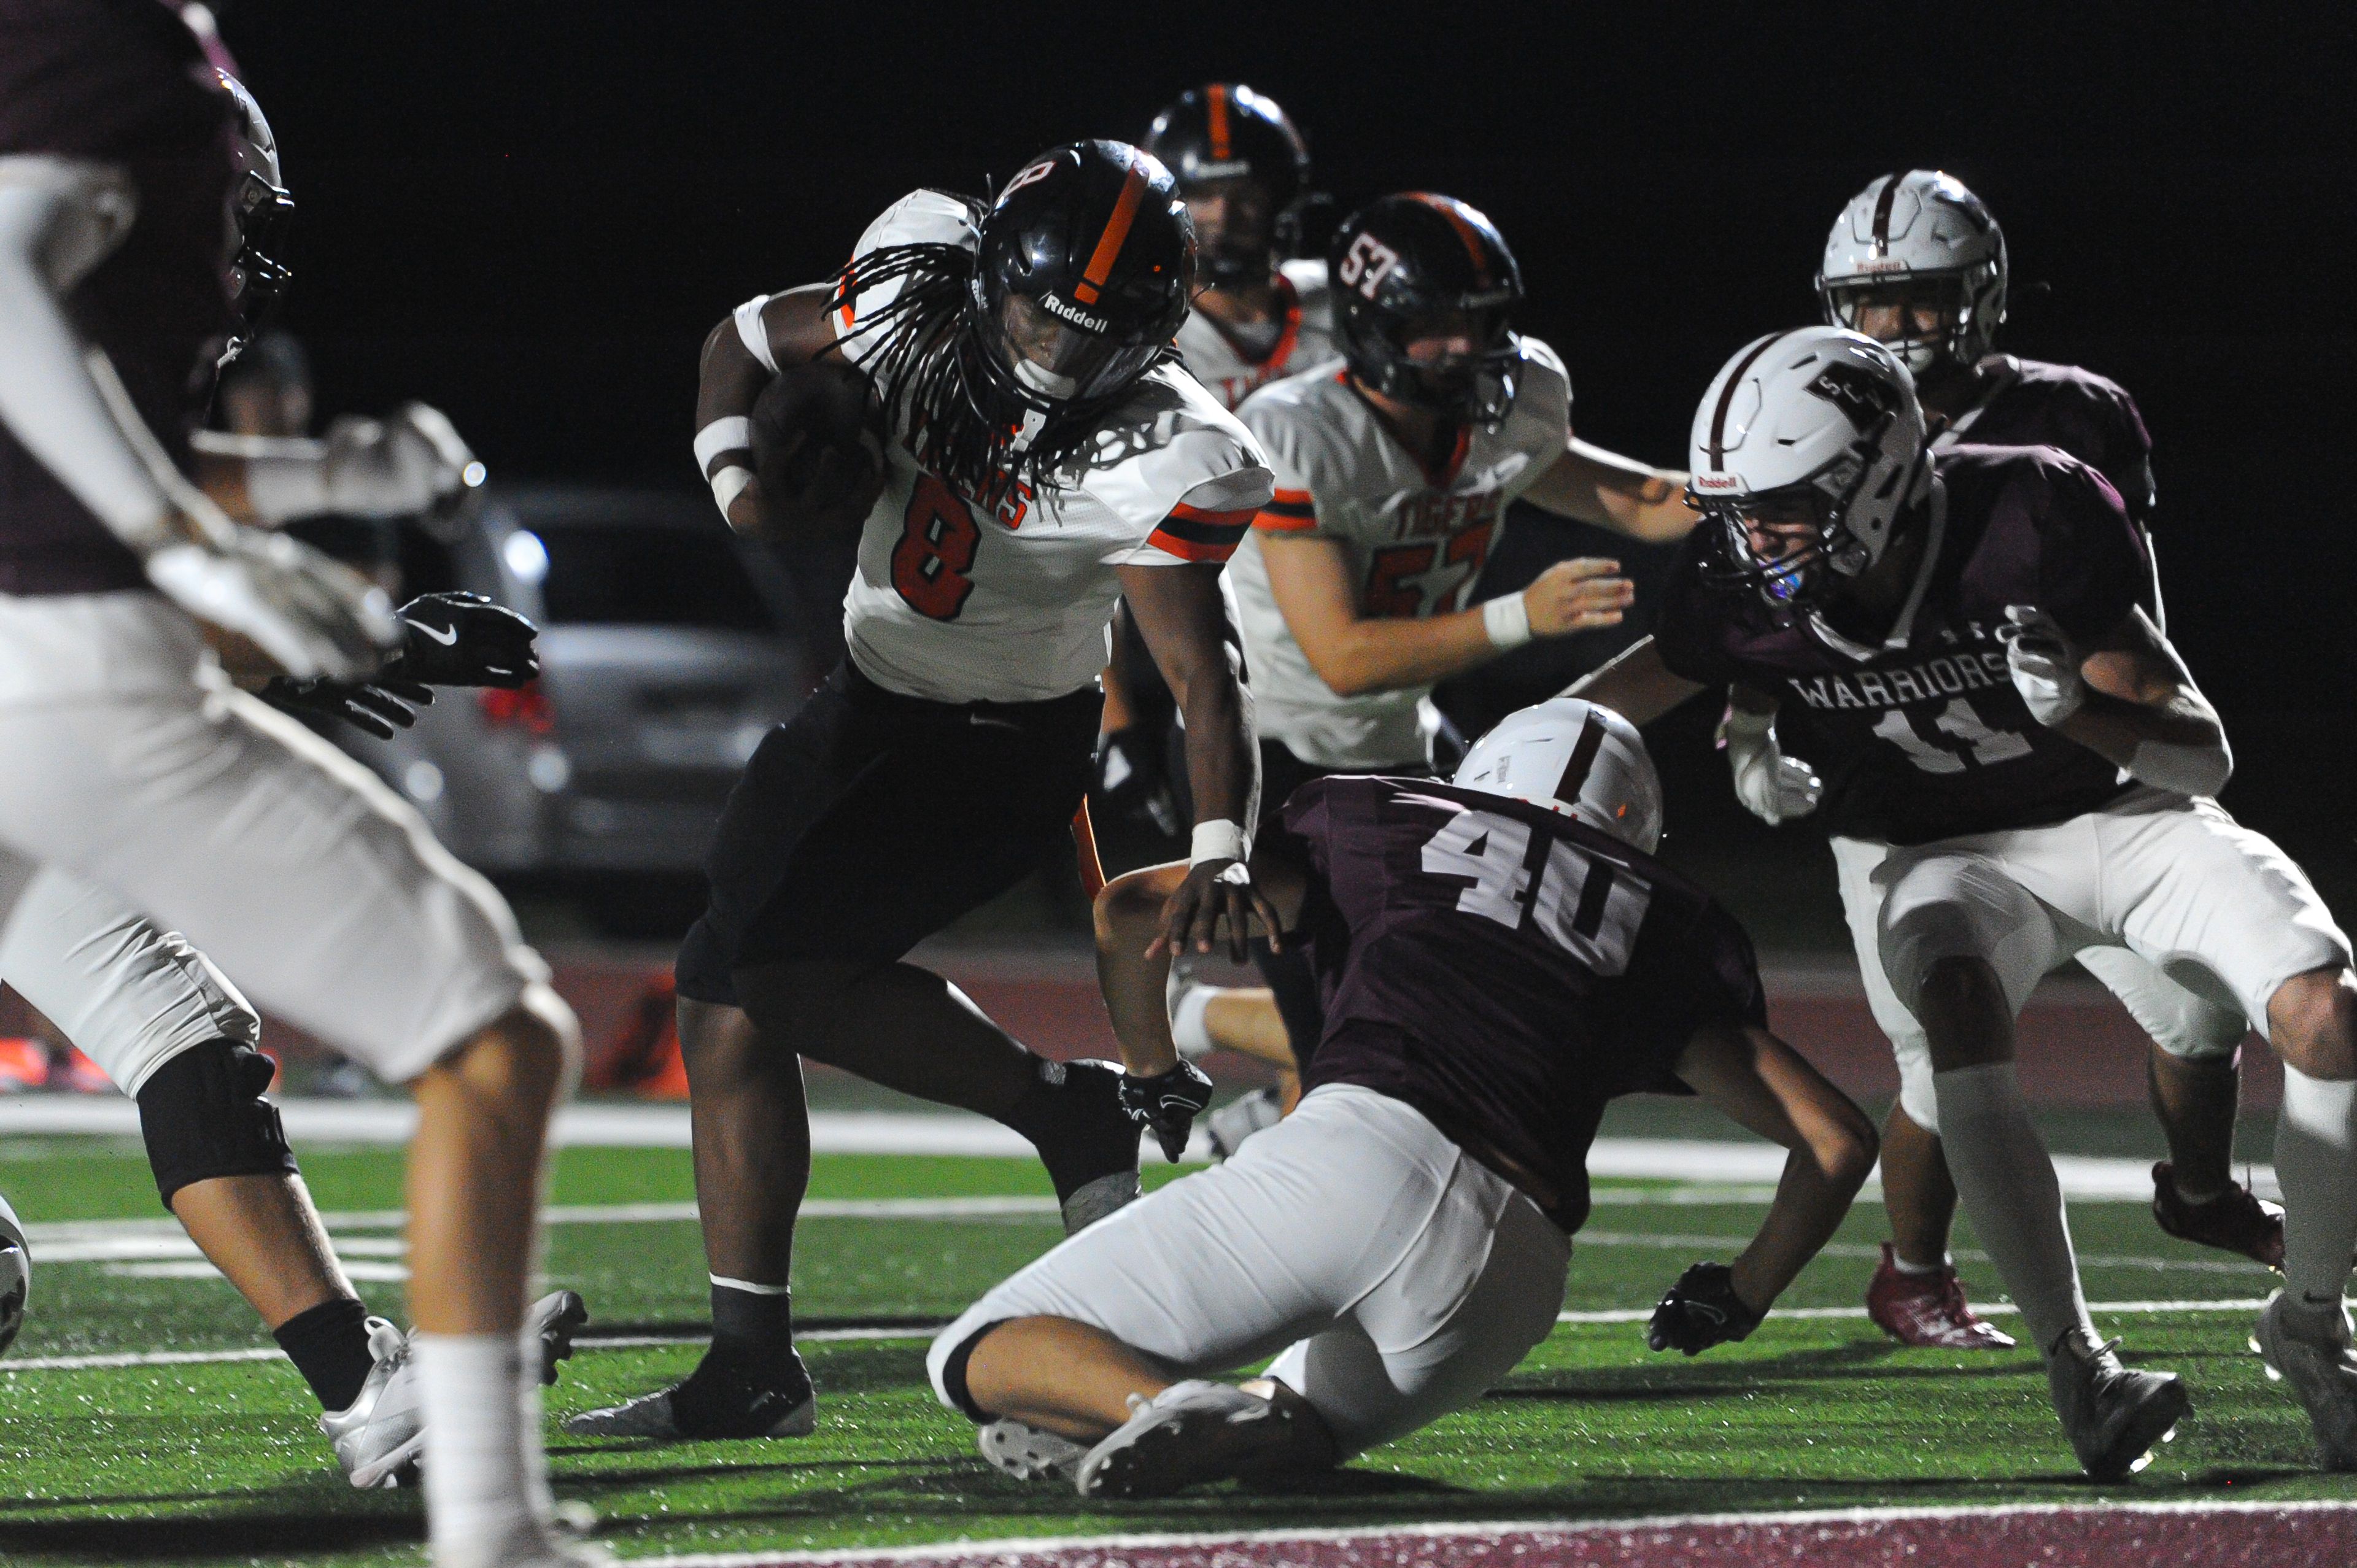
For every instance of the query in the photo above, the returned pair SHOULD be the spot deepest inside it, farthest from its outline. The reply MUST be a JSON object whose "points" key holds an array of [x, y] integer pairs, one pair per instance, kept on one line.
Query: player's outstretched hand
{"points": [[1700, 1311], [465, 639], [1167, 1104], [1216, 893], [1577, 596], [375, 707], [2045, 664]]}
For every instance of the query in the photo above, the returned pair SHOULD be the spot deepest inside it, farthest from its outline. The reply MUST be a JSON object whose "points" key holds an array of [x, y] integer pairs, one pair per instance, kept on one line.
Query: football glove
{"points": [[1700, 1311], [1773, 787], [464, 640], [1134, 780], [312, 614], [2044, 663], [377, 707], [1167, 1104]]}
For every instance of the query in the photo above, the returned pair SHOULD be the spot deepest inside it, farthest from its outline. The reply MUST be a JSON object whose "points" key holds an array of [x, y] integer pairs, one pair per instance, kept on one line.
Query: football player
{"points": [[1504, 956], [2017, 769], [1042, 455], [131, 257], [1394, 468]]}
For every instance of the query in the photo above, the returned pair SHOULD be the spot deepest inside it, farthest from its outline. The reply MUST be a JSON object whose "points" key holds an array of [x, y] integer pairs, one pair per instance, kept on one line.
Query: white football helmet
{"points": [[1919, 238], [1816, 420], [259, 213], [1576, 758], [15, 1275]]}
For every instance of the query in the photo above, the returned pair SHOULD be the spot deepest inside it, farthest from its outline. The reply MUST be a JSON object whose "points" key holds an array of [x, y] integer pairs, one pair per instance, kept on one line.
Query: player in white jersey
{"points": [[1042, 455], [1243, 169], [128, 761], [1395, 467]]}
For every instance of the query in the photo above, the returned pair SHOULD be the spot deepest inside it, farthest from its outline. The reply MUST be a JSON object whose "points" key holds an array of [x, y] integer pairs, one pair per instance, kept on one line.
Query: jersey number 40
{"points": [[1522, 875]]}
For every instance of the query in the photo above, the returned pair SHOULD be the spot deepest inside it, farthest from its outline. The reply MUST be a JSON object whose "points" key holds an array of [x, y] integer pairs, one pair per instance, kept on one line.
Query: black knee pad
{"points": [[203, 1116]]}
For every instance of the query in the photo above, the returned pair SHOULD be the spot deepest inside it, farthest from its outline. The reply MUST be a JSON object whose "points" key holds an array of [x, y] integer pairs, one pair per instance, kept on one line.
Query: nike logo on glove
{"points": [[447, 638]]}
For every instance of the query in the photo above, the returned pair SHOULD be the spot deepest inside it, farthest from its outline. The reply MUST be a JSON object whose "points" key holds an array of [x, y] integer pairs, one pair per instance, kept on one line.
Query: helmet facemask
{"points": [[1239, 244], [1849, 509], [1475, 388]]}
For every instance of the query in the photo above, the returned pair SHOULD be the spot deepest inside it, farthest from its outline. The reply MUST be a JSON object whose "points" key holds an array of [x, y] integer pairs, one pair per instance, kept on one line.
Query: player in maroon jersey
{"points": [[2015, 769], [1501, 956]]}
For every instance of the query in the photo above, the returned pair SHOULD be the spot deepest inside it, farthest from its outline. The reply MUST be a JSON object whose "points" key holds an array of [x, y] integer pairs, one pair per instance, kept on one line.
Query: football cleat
{"points": [[2114, 1416], [1090, 1152], [1197, 1431], [750, 1409], [1027, 1453], [1231, 1123], [2321, 1367], [15, 1275], [552, 1321], [1928, 1309], [382, 1432], [2237, 1220]]}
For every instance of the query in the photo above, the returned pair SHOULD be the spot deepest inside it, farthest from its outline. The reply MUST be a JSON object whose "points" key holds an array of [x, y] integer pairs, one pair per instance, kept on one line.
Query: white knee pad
{"points": [[1946, 903]]}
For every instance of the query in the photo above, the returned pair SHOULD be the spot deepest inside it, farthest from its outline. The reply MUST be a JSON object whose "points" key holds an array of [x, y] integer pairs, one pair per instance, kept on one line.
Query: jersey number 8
{"points": [[1586, 904], [935, 552]]}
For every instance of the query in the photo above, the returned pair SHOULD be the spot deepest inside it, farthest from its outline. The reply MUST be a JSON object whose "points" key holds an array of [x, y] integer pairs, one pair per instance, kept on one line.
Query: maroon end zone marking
{"points": [[2194, 1536]]}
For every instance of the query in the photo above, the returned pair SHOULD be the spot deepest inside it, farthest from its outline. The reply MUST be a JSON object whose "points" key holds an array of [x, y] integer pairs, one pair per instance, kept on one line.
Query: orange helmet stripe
{"points": [[1447, 207], [1218, 95], [1116, 230]]}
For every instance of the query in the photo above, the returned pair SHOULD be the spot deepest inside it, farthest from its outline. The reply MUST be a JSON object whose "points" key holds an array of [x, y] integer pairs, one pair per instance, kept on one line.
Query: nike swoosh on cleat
{"points": [[447, 638]]}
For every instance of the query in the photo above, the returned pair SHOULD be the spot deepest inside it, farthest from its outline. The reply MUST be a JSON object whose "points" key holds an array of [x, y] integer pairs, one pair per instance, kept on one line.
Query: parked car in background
{"points": [[668, 648]]}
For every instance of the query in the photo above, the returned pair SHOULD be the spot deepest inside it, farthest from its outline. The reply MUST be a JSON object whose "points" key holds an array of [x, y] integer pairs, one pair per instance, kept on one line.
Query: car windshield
{"points": [[621, 574]]}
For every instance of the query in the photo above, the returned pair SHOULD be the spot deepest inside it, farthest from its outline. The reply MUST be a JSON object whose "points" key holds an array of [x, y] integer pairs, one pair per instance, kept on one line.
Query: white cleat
{"points": [[2317, 1359], [2113, 1417], [1231, 1123], [528, 1545], [1197, 1431], [1027, 1453], [384, 1430]]}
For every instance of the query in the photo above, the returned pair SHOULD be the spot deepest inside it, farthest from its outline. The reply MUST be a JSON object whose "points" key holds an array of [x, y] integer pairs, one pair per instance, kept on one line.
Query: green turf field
{"points": [[220, 1462]]}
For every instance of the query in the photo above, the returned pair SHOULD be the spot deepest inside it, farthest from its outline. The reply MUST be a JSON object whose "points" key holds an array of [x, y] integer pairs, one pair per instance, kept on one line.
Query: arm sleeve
{"points": [[2092, 566], [59, 218]]}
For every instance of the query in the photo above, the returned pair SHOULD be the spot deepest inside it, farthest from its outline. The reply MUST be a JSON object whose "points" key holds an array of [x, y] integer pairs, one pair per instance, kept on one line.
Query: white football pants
{"points": [[126, 761], [1399, 1278]]}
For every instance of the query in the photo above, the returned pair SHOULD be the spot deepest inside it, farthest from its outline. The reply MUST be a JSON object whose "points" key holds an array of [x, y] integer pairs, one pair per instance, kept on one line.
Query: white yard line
{"points": [[1028, 1547]]}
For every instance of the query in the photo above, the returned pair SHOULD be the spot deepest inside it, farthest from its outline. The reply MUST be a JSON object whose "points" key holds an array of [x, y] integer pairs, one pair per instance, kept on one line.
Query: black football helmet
{"points": [[1405, 265], [259, 213], [1226, 132]]}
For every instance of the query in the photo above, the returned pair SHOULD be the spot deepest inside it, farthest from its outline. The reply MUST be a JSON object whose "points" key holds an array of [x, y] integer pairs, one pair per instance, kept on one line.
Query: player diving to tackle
{"points": [[1503, 956], [126, 761], [1042, 455], [1394, 469], [2021, 767]]}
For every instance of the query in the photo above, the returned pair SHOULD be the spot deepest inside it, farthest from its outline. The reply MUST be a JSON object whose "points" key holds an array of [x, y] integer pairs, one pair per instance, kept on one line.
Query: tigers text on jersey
{"points": [[1231, 367], [1505, 969], [1922, 736], [1006, 597], [1414, 538]]}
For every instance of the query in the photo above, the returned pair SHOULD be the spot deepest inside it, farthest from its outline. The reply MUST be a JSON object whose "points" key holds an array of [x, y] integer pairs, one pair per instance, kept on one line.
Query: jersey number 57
{"points": [[1584, 904]]}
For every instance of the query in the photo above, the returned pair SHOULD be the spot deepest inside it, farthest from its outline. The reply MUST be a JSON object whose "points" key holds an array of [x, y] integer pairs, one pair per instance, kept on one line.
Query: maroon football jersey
{"points": [[120, 83], [1504, 968], [1919, 733], [2031, 402]]}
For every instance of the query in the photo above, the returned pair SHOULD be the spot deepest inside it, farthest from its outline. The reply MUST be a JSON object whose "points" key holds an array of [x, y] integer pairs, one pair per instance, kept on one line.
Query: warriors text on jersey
{"points": [[1233, 364], [1415, 539], [1005, 596], [1920, 735], [1505, 969], [120, 84]]}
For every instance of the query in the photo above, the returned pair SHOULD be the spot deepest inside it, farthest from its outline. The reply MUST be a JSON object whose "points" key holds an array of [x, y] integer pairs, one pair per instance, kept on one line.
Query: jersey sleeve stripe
{"points": [[1237, 520], [1191, 542], [1217, 528], [1284, 520], [1292, 498]]}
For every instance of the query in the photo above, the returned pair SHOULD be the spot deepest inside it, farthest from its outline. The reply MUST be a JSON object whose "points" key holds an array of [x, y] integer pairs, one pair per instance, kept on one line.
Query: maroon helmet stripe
{"points": [[1582, 758], [1727, 399], [1882, 211]]}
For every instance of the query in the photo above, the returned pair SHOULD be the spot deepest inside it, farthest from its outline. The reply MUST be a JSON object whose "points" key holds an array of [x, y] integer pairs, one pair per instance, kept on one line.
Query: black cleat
{"points": [[721, 1399]]}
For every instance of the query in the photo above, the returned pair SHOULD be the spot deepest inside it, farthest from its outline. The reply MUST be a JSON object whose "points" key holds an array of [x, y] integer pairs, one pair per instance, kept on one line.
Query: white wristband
{"points": [[732, 433], [728, 484], [1507, 620], [1221, 840]]}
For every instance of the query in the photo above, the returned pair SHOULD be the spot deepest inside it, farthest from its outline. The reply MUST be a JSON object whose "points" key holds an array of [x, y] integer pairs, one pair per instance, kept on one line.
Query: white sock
{"points": [[1189, 1031], [2316, 1161], [478, 1486], [2007, 1179], [1900, 1265]]}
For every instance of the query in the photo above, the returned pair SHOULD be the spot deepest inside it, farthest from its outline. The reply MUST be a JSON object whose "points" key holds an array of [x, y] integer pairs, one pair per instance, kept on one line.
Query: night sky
{"points": [[530, 214]]}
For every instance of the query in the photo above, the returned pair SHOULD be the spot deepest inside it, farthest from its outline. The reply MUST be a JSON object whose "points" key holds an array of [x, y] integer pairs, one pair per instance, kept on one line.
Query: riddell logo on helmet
{"points": [[1074, 314], [1717, 483], [1228, 168]]}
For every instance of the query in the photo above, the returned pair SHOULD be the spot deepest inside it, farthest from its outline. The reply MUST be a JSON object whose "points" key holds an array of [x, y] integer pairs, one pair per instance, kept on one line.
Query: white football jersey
{"points": [[1232, 371], [1006, 597], [1415, 540]]}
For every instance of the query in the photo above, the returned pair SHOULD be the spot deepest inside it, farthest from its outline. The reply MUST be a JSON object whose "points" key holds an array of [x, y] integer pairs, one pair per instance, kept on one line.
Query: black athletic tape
{"points": [[203, 1117], [954, 1374]]}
